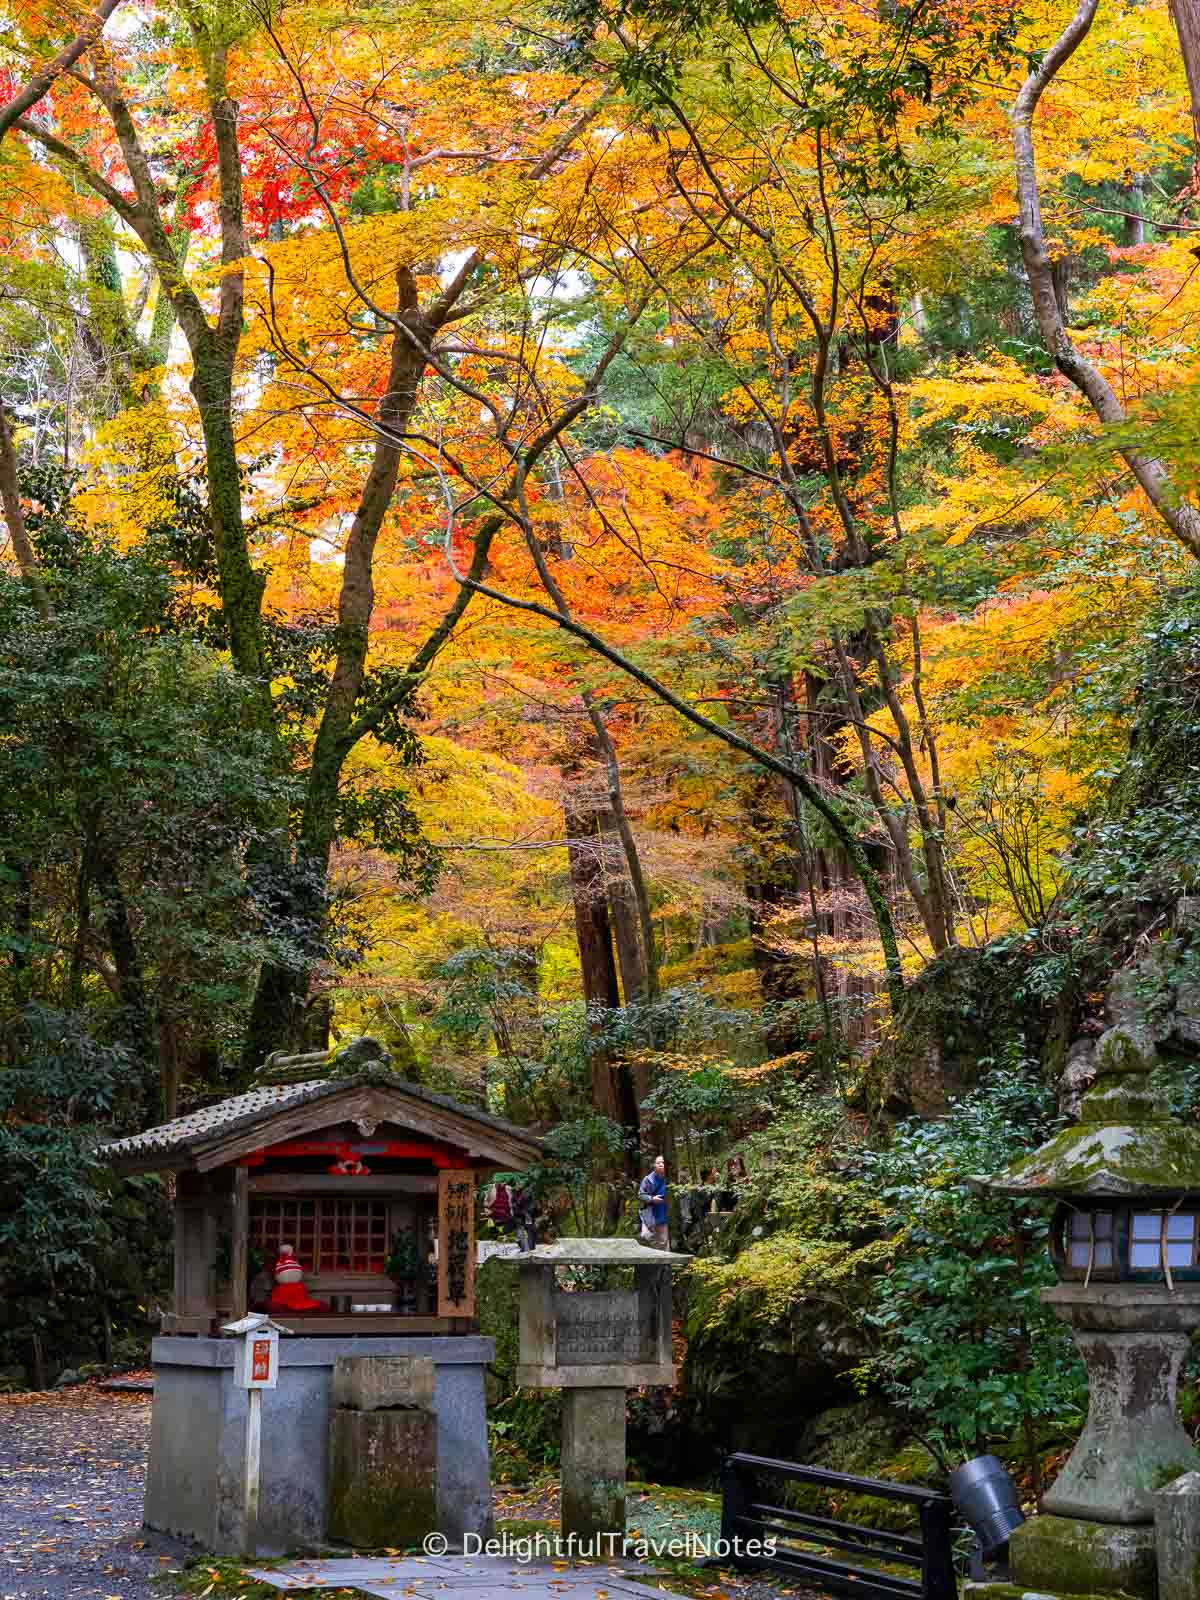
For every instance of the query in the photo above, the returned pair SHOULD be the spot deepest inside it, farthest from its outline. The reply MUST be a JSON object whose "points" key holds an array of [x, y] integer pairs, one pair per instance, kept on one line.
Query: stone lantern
{"points": [[1125, 1240], [594, 1344]]}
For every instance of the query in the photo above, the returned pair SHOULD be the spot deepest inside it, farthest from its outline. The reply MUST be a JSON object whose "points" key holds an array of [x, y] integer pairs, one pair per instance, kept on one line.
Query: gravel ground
{"points": [[72, 1472]]}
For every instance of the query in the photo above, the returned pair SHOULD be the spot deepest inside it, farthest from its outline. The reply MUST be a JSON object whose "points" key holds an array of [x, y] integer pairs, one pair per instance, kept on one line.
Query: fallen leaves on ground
{"points": [[72, 1478]]}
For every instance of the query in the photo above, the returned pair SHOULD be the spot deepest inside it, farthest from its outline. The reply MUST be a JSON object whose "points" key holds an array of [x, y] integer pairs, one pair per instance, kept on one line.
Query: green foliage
{"points": [[868, 1261], [136, 789], [1136, 856], [965, 1347], [696, 1105], [928, 56], [580, 1151], [404, 1256], [478, 984], [79, 1252]]}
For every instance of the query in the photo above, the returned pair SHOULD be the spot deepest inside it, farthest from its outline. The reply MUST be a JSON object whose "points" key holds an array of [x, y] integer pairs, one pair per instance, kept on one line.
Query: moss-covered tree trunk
{"points": [[240, 585]]}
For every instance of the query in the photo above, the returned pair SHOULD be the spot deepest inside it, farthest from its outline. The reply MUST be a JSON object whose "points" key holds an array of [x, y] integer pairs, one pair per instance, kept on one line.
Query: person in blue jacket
{"points": [[652, 1193]]}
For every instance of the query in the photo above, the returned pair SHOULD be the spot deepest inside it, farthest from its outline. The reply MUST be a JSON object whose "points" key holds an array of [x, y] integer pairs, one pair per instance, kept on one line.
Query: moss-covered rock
{"points": [[772, 1336], [1022, 1591], [1071, 1556], [957, 1016], [864, 1440]]}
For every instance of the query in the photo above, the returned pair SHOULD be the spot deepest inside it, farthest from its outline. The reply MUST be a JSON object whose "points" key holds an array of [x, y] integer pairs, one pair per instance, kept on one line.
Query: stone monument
{"points": [[383, 1456], [594, 1344], [1126, 1244]]}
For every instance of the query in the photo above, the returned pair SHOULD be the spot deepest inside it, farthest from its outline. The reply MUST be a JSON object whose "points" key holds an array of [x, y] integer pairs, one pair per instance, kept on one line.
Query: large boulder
{"points": [[955, 1015]]}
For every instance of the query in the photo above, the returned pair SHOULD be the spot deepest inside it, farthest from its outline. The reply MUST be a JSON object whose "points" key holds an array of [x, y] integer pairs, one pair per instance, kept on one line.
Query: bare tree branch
{"points": [[43, 79]]}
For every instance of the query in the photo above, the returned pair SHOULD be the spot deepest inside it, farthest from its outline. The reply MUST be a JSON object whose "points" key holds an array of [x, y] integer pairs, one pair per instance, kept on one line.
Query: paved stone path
{"points": [[465, 1577]]}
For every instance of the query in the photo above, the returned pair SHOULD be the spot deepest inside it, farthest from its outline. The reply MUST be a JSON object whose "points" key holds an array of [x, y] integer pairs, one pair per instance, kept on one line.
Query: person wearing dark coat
{"points": [[652, 1197]]}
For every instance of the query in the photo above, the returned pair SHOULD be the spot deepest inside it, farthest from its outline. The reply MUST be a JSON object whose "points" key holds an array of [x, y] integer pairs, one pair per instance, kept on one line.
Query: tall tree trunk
{"points": [[772, 881], [1135, 217], [240, 586], [107, 333], [613, 1091], [162, 323], [171, 1066], [1185, 14], [135, 999], [642, 970], [622, 913]]}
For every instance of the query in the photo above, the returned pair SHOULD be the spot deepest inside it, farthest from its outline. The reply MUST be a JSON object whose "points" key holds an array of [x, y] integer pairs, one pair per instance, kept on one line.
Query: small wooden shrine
{"points": [[350, 1195]]}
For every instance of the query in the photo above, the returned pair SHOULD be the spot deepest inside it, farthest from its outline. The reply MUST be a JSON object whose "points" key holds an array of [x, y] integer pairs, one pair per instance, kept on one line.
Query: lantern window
{"points": [[1158, 1236], [1090, 1241]]}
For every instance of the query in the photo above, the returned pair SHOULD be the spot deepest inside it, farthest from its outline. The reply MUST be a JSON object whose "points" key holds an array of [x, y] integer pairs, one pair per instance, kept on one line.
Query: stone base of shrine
{"points": [[195, 1484]]}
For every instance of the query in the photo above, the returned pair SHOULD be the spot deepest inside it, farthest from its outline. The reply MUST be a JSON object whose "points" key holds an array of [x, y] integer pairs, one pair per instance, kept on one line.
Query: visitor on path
{"points": [[513, 1210], [735, 1173], [652, 1193]]}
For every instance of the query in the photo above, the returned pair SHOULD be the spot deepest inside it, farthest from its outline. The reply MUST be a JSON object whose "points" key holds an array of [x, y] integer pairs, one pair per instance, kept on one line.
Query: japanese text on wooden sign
{"points": [[456, 1243]]}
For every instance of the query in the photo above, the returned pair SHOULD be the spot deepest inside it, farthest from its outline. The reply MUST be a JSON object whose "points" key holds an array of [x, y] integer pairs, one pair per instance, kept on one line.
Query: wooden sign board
{"points": [[456, 1243]]}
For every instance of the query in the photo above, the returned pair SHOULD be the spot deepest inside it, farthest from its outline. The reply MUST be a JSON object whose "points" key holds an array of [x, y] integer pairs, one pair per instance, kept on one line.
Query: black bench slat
{"points": [[857, 1580], [839, 1480], [830, 1541], [900, 1541]]}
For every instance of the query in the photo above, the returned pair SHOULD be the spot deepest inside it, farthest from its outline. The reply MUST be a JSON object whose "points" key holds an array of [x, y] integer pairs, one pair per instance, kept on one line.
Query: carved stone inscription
{"points": [[597, 1329]]}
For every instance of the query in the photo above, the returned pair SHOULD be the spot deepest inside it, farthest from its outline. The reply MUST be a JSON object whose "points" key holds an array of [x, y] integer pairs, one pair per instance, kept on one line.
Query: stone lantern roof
{"points": [[575, 1252], [1126, 1144]]}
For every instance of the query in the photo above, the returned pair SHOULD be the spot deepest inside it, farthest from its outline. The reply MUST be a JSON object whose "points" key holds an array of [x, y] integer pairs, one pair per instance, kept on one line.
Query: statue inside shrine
{"points": [[289, 1293]]}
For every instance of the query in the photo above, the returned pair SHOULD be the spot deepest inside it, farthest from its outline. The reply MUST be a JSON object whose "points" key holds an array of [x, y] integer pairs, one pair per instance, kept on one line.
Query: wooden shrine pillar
{"points": [[240, 1235]]}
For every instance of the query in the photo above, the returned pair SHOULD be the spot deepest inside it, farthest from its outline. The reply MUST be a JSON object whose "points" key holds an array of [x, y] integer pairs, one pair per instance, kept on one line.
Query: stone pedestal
{"points": [[1134, 1338], [594, 1344], [1177, 1536], [194, 1485], [382, 1477], [1096, 1533], [593, 1465], [1078, 1556]]}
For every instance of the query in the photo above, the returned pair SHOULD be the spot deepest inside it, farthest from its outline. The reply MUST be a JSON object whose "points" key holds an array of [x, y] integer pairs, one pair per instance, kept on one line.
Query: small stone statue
{"points": [[289, 1293]]}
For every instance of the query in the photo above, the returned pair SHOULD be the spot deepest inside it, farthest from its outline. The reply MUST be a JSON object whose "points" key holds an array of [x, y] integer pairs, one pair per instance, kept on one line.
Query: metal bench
{"points": [[747, 1515]]}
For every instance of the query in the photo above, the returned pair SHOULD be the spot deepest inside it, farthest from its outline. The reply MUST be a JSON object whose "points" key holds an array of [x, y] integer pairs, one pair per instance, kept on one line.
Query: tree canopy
{"points": [[616, 544]]}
